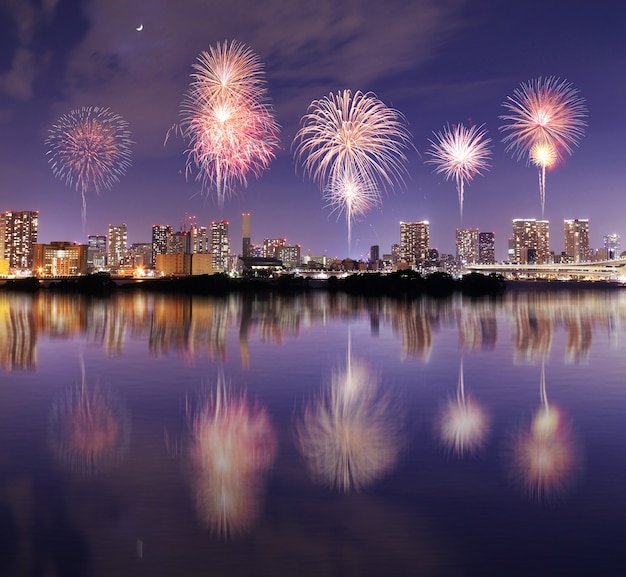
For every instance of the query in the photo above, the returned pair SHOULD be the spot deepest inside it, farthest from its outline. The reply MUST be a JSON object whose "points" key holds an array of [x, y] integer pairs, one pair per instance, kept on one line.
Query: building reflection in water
{"points": [[546, 456], [18, 334], [349, 435], [233, 444], [90, 428], [412, 321], [534, 323], [463, 424]]}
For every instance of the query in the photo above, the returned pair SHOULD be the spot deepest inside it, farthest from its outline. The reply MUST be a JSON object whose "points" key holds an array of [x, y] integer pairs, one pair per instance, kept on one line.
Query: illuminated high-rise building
{"points": [[18, 234], [271, 246], [246, 248], [486, 248], [612, 245], [220, 245], [198, 239], [289, 255], [179, 242], [160, 234], [118, 245], [531, 241], [414, 241], [96, 250], [576, 233], [466, 246]]}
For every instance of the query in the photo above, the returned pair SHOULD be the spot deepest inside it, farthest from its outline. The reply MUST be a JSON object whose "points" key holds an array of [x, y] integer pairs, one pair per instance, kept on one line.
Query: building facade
{"points": [[118, 245], [612, 245], [576, 235], [160, 235], [466, 246], [414, 241], [289, 255], [486, 248], [18, 234], [246, 248], [531, 241], [220, 245], [60, 259]]}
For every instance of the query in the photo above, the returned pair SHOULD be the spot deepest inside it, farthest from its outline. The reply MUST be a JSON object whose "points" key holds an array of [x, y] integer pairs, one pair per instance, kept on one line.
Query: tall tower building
{"points": [[220, 244], [612, 245], [414, 241], [576, 232], [18, 234], [531, 241], [198, 239], [96, 250], [160, 234], [179, 243], [246, 249], [374, 253], [486, 248], [466, 246], [118, 245]]}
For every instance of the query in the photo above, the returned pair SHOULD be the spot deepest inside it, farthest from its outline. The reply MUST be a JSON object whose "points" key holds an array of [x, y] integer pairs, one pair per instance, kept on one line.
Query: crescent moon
{"points": [[139, 28]]}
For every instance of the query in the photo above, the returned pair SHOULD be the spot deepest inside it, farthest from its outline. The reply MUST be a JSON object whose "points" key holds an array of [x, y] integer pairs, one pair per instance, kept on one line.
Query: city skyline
{"points": [[436, 64]]}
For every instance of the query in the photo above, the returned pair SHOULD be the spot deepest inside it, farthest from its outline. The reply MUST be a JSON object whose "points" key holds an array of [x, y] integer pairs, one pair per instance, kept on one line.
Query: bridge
{"points": [[614, 270]]}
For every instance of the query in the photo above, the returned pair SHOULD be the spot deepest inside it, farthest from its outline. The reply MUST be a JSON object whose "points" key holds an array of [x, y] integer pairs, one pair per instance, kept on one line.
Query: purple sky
{"points": [[436, 61]]}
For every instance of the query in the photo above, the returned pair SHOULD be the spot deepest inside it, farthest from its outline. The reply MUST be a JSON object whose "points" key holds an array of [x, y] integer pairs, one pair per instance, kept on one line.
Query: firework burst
{"points": [[353, 146], [546, 112], [460, 153], [226, 120], [89, 148]]}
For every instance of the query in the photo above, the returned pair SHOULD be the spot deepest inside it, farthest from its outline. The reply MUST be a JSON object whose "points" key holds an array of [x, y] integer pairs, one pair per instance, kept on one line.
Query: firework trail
{"points": [[461, 153], [464, 424], [347, 437], [226, 119], [543, 112], [232, 445], [543, 155], [353, 146], [89, 148]]}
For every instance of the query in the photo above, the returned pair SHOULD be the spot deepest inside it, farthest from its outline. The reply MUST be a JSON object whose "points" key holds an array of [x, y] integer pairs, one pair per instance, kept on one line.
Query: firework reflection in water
{"points": [[545, 112], [349, 435], [463, 424], [89, 148], [90, 429], [233, 444], [226, 120], [546, 456]]}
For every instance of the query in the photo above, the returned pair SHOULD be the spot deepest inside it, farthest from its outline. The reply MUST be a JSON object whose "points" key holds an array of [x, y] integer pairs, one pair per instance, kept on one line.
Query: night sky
{"points": [[436, 61]]}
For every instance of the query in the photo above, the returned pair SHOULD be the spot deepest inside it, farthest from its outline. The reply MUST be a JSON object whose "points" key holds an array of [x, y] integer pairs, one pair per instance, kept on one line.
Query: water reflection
{"points": [[463, 424], [233, 444], [348, 434], [545, 456], [89, 428], [195, 327]]}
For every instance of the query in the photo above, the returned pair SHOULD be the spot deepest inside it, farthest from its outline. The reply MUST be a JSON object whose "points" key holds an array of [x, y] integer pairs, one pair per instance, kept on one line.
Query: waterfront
{"points": [[317, 434]]}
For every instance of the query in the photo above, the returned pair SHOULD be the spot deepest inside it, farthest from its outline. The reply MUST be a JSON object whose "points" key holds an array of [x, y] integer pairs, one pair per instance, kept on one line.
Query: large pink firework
{"points": [[461, 153], [353, 145], [226, 119], [548, 112], [89, 148]]}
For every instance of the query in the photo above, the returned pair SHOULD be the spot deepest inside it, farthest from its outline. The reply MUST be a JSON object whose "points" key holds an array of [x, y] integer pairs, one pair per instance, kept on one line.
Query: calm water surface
{"points": [[315, 435]]}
